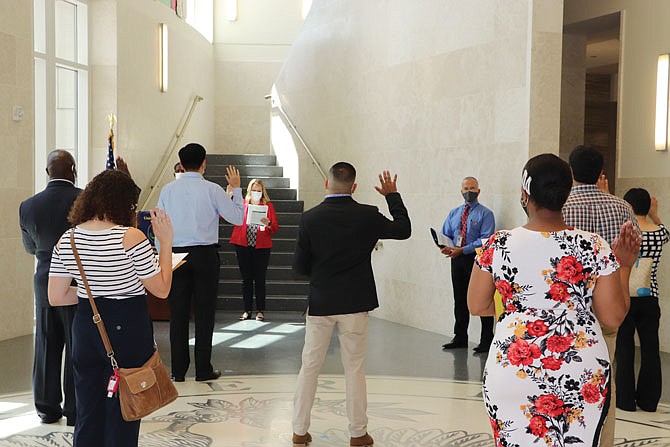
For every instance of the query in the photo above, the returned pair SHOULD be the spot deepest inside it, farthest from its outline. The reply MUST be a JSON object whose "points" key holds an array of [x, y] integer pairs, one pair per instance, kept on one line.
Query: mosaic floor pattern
{"points": [[255, 411]]}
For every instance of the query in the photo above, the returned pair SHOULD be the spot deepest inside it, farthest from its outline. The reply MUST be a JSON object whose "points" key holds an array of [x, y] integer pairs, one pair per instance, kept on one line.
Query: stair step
{"points": [[219, 176], [289, 206], [278, 245], [274, 273], [272, 303], [288, 218], [276, 258], [232, 286], [241, 159], [275, 193], [278, 193], [284, 232], [269, 182]]}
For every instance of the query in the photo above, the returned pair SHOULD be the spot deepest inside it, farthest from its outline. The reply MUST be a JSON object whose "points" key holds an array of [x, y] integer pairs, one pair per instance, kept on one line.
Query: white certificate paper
{"points": [[255, 213], [177, 260]]}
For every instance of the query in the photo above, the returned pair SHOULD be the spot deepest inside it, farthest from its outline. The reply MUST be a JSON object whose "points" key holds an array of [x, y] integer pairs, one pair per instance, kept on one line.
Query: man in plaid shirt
{"points": [[590, 209]]}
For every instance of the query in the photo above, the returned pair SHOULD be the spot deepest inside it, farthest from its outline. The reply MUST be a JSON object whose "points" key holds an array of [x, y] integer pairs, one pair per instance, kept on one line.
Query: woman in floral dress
{"points": [[547, 377]]}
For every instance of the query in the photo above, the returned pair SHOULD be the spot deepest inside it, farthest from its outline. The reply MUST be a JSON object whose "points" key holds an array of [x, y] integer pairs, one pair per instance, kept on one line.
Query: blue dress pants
{"points": [[99, 421]]}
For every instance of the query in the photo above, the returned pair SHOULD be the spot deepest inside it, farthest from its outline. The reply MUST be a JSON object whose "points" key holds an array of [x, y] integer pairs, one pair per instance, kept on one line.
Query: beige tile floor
{"points": [[255, 411], [419, 395]]}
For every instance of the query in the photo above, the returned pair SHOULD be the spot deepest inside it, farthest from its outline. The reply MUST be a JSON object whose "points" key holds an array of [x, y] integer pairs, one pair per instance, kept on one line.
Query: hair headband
{"points": [[525, 181]]}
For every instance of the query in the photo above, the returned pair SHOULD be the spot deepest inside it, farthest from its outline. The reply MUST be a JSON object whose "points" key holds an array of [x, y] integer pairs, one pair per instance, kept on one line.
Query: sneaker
{"points": [[260, 316], [246, 316], [301, 440], [362, 441]]}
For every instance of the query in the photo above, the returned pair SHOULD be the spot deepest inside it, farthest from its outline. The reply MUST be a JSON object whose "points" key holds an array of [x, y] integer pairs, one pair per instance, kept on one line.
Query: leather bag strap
{"points": [[97, 319]]}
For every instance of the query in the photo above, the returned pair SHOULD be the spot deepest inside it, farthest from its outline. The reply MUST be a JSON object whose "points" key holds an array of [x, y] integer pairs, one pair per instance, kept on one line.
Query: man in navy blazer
{"points": [[43, 220], [334, 246]]}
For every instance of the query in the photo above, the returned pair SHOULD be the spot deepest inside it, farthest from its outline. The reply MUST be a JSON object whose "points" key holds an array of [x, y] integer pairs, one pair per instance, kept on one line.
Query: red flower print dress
{"points": [[547, 377]]}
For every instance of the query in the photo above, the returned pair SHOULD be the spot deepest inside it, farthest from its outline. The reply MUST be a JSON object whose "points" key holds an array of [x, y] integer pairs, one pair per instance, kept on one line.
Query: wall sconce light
{"points": [[231, 10], [661, 136], [163, 60]]}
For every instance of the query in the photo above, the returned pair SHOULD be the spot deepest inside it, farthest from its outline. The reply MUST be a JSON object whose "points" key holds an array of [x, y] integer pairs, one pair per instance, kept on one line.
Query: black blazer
{"points": [[334, 247], [43, 219]]}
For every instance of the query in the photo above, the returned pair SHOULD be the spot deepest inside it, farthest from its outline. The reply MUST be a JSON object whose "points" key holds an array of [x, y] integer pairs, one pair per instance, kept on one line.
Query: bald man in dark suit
{"points": [[43, 219]]}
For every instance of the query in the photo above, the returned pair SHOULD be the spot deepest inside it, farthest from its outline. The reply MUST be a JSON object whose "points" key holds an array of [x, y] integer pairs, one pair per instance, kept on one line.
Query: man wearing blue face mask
{"points": [[466, 225]]}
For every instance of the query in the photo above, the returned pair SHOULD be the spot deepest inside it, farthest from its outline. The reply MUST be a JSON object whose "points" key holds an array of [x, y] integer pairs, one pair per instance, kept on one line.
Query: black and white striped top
{"points": [[652, 247], [112, 271]]}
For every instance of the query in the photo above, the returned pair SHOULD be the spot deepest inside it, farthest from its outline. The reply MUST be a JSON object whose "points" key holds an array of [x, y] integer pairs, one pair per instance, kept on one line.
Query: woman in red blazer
{"points": [[252, 245]]}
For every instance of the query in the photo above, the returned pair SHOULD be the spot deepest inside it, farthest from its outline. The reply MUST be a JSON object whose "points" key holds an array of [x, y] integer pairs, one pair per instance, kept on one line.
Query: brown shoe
{"points": [[301, 440], [362, 441]]}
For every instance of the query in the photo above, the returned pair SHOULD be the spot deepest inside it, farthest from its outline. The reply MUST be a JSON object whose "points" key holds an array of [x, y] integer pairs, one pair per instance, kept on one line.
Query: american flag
{"points": [[110, 150]]}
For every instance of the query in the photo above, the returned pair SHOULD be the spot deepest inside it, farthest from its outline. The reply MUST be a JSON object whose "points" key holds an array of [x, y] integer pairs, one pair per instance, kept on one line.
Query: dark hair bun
{"points": [[551, 181], [639, 199]]}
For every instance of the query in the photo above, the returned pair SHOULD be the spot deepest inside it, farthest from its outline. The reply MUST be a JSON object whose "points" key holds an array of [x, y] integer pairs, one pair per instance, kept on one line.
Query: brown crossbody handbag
{"points": [[141, 390]]}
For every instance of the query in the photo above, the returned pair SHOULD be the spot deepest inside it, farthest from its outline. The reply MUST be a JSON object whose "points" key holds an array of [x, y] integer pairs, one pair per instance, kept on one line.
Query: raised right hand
{"points": [[386, 185], [162, 226], [602, 184], [233, 176], [627, 245]]}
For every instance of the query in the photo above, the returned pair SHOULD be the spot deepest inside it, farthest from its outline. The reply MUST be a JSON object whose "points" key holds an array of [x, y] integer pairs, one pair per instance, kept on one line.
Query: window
{"points": [[61, 83]]}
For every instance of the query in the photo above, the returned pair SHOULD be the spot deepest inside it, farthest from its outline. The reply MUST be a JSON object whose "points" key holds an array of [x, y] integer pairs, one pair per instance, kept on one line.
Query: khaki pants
{"points": [[352, 330], [607, 432]]}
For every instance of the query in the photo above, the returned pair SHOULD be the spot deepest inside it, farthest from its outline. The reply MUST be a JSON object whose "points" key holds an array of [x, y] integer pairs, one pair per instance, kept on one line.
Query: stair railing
{"points": [[151, 187], [278, 106]]}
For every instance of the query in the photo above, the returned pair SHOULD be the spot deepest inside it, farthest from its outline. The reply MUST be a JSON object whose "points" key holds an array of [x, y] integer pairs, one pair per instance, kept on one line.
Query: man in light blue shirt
{"points": [[194, 206], [466, 226]]}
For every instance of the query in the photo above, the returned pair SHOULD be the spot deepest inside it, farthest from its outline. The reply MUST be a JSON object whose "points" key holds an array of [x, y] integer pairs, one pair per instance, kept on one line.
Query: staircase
{"points": [[285, 291]]}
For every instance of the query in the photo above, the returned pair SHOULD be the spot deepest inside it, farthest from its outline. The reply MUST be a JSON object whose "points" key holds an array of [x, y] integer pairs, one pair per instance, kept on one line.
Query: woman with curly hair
{"points": [[547, 377], [120, 266]]}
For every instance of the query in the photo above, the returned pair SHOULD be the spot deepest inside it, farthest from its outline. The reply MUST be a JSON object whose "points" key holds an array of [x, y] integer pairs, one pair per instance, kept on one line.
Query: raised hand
{"points": [[602, 184], [387, 185], [627, 245], [122, 166], [162, 226], [653, 211], [233, 176]]}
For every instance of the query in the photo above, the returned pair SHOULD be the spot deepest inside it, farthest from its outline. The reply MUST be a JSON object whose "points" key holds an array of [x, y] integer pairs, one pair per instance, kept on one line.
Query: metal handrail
{"points": [[151, 187], [297, 134]]}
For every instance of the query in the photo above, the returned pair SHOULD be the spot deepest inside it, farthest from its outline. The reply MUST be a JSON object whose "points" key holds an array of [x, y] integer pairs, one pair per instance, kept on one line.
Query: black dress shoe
{"points": [[454, 344], [71, 422], [215, 374], [481, 348], [177, 379], [626, 407], [50, 419]]}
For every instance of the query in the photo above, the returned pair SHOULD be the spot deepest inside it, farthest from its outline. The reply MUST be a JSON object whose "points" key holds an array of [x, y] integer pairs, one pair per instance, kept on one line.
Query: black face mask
{"points": [[470, 196]]}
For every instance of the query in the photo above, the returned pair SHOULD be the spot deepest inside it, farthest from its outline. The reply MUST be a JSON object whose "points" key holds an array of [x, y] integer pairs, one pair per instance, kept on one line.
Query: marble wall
{"points": [[124, 80], [249, 54], [573, 83], [434, 93], [242, 114], [645, 33], [17, 149]]}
